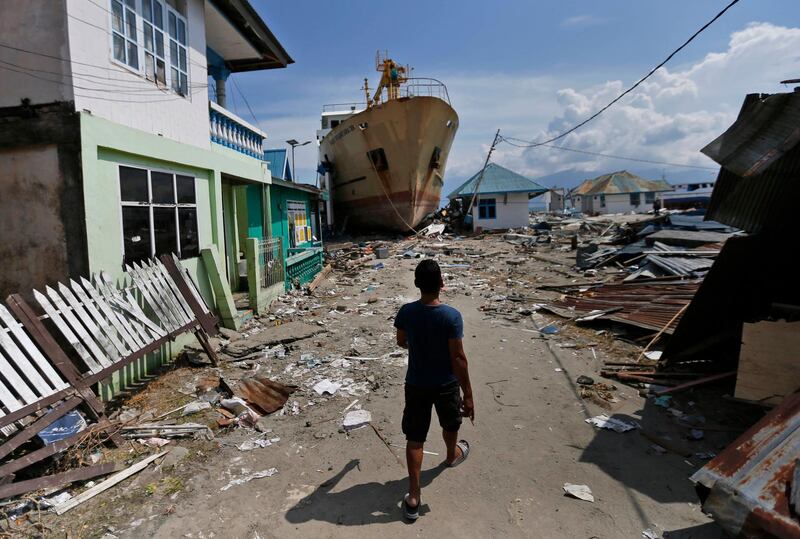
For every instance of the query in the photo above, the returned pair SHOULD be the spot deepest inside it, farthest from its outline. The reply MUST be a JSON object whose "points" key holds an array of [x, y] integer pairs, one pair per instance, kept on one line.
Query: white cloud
{"points": [[669, 118], [582, 21]]}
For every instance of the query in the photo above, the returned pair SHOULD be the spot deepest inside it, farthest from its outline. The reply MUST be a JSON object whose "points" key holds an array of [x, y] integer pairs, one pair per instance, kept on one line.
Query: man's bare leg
{"points": [[450, 440], [414, 456]]}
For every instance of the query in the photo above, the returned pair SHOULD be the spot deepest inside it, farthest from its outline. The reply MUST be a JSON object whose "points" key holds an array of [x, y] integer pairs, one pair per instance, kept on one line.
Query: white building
{"points": [[116, 144], [501, 198], [618, 192]]}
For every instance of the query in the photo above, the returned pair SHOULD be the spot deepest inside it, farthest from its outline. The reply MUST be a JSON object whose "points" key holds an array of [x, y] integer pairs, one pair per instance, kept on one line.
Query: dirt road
{"points": [[529, 438]]}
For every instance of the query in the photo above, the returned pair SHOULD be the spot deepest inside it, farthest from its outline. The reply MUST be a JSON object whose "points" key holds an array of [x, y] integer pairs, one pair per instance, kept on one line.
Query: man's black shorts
{"points": [[417, 413]]}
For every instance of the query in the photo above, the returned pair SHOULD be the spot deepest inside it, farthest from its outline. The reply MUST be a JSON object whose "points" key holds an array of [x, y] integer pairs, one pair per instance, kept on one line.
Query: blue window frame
{"points": [[487, 208]]}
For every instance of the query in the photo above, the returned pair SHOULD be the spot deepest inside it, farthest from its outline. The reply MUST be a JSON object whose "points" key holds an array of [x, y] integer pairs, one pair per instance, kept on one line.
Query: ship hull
{"points": [[396, 188]]}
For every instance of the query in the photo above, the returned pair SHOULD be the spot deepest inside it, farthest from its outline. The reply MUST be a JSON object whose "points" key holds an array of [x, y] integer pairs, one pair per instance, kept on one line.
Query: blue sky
{"points": [[533, 68]]}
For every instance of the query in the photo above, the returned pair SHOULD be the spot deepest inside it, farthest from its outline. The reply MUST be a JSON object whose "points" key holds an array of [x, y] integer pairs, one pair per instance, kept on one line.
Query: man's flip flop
{"points": [[464, 446], [411, 513]]}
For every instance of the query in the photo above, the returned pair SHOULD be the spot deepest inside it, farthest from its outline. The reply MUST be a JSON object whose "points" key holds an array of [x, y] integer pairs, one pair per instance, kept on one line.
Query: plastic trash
{"points": [[356, 419], [581, 492], [604, 422], [69, 424]]}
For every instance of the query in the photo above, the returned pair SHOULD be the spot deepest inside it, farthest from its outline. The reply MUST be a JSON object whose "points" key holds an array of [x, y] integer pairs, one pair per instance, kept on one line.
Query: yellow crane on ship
{"points": [[393, 76]]}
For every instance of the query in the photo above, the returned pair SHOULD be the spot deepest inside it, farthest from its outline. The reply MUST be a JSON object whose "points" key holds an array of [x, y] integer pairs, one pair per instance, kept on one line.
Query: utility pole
{"points": [[483, 170]]}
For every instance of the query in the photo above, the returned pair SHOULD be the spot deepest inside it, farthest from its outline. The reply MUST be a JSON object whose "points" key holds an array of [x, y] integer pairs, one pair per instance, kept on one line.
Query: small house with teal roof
{"points": [[501, 197]]}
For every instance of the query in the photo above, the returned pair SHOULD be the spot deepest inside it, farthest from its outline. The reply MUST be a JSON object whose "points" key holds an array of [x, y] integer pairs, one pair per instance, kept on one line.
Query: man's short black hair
{"points": [[428, 277]]}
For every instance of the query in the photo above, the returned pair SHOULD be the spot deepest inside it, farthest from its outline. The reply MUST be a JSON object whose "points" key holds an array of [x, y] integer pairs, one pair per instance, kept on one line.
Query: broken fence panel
{"points": [[106, 328]]}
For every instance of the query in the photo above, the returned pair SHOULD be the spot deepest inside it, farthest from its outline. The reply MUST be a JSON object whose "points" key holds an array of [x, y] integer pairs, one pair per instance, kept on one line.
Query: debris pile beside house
{"points": [[87, 331]]}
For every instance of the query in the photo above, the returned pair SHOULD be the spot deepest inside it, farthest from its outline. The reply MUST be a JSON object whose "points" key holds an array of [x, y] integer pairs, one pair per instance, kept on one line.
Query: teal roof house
{"points": [[501, 197]]}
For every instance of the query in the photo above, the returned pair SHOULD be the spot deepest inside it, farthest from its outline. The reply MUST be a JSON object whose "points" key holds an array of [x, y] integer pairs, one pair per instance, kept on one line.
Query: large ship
{"points": [[384, 160]]}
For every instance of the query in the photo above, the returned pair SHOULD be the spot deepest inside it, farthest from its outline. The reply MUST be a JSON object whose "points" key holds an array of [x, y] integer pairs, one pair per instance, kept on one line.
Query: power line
{"points": [[247, 103], [130, 101], [508, 140], [104, 82], [640, 81], [76, 62]]}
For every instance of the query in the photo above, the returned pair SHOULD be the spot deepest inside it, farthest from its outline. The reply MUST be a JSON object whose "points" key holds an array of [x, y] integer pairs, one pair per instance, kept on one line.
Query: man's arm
{"points": [[458, 359], [402, 342]]}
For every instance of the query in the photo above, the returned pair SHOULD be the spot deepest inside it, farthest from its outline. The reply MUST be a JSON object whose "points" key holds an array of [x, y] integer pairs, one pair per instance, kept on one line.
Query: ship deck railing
{"points": [[425, 87]]}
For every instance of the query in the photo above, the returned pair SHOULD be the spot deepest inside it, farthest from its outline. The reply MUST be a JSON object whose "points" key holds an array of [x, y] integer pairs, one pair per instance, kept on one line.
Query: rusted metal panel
{"points": [[747, 487], [648, 306], [264, 393]]}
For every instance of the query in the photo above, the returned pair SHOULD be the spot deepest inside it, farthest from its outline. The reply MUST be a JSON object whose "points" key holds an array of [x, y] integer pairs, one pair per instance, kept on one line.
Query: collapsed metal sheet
{"points": [[747, 488], [267, 395], [648, 306]]}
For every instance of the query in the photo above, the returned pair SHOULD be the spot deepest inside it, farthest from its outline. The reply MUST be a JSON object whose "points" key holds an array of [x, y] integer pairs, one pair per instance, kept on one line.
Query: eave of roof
{"points": [[299, 186], [249, 23]]}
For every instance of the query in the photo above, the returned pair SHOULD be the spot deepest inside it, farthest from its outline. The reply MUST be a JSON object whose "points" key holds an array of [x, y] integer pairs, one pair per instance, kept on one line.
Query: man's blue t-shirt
{"points": [[428, 329]]}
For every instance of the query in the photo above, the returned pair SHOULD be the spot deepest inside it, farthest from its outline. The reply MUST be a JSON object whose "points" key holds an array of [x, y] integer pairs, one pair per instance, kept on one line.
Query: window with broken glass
{"points": [[150, 38], [159, 214], [153, 29]]}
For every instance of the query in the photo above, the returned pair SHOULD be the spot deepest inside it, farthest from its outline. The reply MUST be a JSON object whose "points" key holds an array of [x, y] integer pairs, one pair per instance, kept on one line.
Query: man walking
{"points": [[437, 369]]}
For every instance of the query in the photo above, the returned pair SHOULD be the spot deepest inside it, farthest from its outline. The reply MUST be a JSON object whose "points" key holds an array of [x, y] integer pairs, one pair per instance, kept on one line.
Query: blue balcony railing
{"points": [[229, 130]]}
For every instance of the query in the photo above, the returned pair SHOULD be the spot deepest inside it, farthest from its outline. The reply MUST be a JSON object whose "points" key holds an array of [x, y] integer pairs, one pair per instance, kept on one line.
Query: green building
{"points": [[126, 150]]}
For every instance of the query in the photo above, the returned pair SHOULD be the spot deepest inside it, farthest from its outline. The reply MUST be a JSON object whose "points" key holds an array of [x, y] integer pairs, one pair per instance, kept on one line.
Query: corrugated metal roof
{"points": [[648, 306], [498, 179], [680, 265], [696, 222], [747, 487], [759, 182], [767, 127], [619, 183], [278, 163]]}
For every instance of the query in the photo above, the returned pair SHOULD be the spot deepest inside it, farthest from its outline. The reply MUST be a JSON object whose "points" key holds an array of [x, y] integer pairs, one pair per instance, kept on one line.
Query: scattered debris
{"points": [[267, 395], [326, 387], [249, 477], [154, 430], [581, 492], [194, 407], [356, 419], [249, 445], [612, 423], [105, 485]]}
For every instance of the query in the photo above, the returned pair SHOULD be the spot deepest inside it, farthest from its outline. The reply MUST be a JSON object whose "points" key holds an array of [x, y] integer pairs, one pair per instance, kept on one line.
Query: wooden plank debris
{"points": [[57, 480], [107, 484], [321, 276]]}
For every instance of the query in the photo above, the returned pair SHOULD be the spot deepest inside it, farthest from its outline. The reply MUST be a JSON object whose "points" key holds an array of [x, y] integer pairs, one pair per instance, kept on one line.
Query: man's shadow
{"points": [[368, 503]]}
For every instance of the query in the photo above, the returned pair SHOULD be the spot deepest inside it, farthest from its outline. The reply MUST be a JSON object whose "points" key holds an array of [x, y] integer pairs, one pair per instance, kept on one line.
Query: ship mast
{"points": [[392, 77]]}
